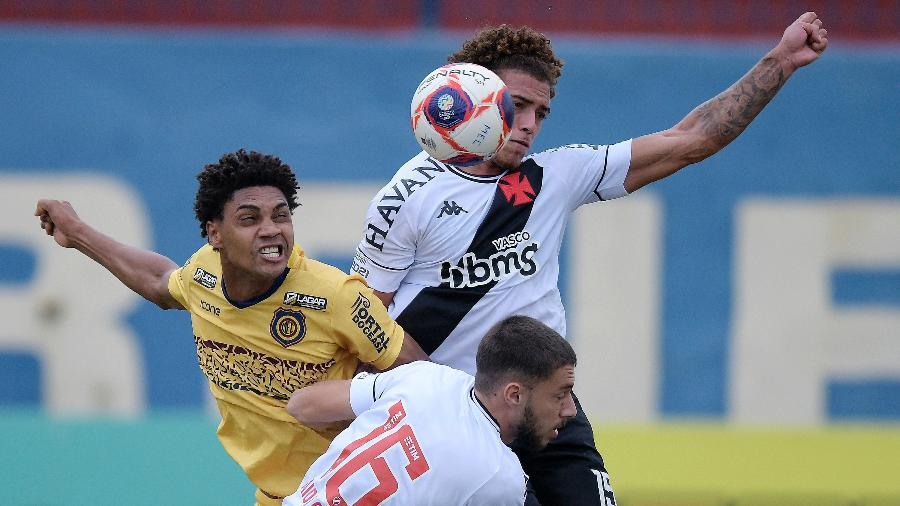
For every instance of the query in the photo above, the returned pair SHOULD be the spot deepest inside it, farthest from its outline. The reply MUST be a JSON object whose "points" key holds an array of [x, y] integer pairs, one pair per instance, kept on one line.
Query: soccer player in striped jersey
{"points": [[452, 250], [426, 434], [267, 319]]}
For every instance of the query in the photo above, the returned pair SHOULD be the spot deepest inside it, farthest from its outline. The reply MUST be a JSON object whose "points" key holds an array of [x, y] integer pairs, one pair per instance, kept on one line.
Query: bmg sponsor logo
{"points": [[509, 259]]}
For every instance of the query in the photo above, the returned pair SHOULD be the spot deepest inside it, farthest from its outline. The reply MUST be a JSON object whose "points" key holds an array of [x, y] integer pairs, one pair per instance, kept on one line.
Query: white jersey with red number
{"points": [[421, 437], [462, 252]]}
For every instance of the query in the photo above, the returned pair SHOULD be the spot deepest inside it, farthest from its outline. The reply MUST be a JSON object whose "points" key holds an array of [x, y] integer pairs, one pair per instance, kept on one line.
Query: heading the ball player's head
{"points": [[526, 370], [244, 206], [524, 59]]}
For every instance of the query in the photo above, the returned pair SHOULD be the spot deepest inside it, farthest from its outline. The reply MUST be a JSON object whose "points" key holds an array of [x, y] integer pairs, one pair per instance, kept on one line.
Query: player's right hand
{"points": [[57, 219]]}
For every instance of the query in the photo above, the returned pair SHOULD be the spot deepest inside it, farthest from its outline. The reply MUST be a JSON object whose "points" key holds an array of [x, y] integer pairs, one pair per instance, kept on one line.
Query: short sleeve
{"points": [[391, 227], [384, 255], [586, 173], [178, 287], [362, 392], [362, 326]]}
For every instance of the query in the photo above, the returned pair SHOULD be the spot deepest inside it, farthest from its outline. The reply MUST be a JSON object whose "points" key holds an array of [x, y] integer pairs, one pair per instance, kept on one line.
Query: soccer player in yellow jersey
{"points": [[267, 320]]}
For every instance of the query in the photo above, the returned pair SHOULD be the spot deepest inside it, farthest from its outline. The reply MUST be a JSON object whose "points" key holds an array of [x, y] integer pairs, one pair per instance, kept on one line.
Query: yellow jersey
{"points": [[316, 322]]}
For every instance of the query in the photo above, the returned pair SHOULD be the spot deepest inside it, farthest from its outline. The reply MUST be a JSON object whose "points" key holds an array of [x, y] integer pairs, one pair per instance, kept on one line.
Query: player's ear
{"points": [[213, 235], [513, 394]]}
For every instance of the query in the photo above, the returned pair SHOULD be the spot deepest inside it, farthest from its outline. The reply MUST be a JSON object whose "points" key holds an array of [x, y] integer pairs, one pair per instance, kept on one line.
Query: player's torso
{"points": [[270, 346], [486, 247], [410, 449], [474, 232]]}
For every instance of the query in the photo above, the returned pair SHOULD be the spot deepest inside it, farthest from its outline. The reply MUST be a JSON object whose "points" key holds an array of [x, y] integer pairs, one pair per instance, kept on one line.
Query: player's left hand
{"points": [[804, 40]]}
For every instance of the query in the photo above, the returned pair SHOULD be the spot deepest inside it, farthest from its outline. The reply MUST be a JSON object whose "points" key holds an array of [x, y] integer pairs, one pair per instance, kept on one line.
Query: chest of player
{"points": [[505, 217], [289, 324]]}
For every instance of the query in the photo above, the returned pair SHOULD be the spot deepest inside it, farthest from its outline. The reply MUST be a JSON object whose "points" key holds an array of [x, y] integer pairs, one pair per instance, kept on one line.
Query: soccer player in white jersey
{"points": [[451, 250], [426, 434]]}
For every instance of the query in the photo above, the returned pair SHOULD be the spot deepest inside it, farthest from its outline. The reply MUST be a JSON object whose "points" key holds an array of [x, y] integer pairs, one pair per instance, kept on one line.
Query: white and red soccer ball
{"points": [[462, 114]]}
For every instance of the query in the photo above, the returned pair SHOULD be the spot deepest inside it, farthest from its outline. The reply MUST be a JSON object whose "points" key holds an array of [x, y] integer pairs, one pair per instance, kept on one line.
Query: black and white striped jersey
{"points": [[463, 252]]}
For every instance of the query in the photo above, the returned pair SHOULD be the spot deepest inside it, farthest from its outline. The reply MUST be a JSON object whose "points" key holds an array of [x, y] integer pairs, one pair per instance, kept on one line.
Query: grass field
{"points": [[176, 459]]}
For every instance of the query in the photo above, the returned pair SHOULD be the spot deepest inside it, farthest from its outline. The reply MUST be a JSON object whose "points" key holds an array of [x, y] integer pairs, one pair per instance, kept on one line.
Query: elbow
{"points": [[299, 407]]}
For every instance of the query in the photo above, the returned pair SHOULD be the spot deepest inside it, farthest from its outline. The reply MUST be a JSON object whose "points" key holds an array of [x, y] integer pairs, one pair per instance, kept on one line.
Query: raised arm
{"points": [[145, 272], [718, 121]]}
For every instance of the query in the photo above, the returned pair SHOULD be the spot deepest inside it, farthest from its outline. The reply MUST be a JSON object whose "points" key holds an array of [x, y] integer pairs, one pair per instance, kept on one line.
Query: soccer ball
{"points": [[462, 114]]}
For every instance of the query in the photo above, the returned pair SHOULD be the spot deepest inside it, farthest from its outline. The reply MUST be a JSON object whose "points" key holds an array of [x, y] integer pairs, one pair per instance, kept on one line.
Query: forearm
{"points": [[145, 272], [721, 119], [322, 403]]}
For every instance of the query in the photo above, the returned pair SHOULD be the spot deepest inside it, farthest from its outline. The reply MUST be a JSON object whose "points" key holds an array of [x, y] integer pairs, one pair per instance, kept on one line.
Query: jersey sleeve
{"points": [[179, 283], [390, 233], [366, 388], [361, 324], [362, 392], [588, 172]]}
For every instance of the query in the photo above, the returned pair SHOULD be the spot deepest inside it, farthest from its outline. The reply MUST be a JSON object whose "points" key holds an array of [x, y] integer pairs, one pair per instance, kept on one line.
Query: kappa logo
{"points": [[517, 189], [205, 279], [288, 327], [451, 208], [307, 301]]}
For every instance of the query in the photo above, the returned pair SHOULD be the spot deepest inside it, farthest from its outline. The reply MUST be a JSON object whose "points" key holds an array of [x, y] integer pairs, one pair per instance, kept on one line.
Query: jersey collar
{"points": [[487, 414], [472, 177]]}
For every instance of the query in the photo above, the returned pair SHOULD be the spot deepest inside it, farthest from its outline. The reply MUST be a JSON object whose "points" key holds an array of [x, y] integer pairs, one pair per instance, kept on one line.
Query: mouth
{"points": [[271, 253], [521, 143]]}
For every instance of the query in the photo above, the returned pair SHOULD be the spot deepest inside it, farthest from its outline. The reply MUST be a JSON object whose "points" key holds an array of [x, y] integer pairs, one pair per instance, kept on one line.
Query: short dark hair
{"points": [[506, 47], [235, 171], [520, 348]]}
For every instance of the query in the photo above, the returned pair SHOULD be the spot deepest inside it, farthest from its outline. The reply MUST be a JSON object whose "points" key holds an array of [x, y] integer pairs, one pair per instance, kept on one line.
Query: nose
{"points": [[268, 228], [569, 409], [525, 120]]}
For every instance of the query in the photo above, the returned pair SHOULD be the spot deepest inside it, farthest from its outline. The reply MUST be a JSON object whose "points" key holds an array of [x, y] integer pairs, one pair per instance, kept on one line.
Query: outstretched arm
{"points": [[715, 123], [145, 272], [321, 404]]}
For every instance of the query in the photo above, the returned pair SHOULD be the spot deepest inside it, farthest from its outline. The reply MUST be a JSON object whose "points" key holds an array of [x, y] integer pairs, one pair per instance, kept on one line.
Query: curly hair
{"points": [[235, 171], [506, 47]]}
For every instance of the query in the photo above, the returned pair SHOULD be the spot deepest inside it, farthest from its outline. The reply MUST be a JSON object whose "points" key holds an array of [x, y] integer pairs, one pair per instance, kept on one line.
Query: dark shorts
{"points": [[569, 471]]}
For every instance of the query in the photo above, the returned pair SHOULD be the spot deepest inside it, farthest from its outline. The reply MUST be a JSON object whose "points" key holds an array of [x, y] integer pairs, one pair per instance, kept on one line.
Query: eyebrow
{"points": [[256, 208], [516, 96]]}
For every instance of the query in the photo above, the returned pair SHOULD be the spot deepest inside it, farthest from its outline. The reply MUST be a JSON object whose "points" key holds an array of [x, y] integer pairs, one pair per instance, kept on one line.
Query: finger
{"points": [[41, 208], [807, 17], [818, 23], [818, 35]]}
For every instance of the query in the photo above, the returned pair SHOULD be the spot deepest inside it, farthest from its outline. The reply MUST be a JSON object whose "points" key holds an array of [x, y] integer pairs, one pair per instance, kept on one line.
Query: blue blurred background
{"points": [[758, 290]]}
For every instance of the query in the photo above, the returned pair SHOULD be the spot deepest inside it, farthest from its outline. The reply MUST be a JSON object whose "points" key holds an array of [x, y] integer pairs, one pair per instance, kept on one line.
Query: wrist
{"points": [[781, 56]]}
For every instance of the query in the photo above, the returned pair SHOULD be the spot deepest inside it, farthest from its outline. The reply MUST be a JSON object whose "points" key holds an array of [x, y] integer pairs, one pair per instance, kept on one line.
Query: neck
{"points": [[497, 409], [242, 286], [486, 168]]}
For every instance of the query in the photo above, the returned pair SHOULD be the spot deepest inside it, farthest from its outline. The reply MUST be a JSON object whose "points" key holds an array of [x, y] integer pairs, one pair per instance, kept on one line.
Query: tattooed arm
{"points": [[715, 123]]}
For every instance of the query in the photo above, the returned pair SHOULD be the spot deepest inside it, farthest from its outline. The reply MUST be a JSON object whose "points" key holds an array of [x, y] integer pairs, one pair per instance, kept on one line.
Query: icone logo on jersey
{"points": [[508, 260]]}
